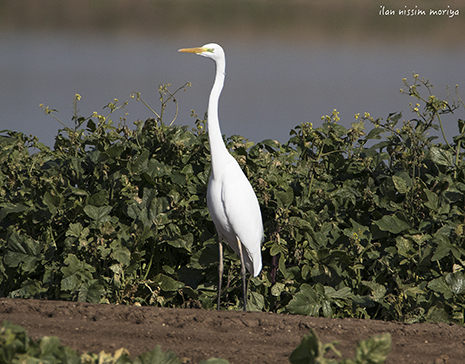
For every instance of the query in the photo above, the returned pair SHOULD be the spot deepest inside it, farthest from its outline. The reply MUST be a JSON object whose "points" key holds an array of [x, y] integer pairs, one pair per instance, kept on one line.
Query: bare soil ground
{"points": [[240, 337]]}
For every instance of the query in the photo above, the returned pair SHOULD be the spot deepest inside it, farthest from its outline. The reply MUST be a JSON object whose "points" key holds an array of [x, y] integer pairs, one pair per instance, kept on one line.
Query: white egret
{"points": [[231, 200]]}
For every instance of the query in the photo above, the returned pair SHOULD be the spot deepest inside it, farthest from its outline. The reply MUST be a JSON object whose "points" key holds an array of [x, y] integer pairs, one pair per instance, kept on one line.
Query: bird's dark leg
{"points": [[244, 285], [220, 272], [227, 286]]}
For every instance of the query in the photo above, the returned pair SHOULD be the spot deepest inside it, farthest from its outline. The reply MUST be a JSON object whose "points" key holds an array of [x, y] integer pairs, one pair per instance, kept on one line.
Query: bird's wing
{"points": [[243, 215]]}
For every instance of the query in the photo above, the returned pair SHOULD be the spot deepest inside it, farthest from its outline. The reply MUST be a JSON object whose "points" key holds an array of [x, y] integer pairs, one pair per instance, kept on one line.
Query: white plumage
{"points": [[231, 200]]}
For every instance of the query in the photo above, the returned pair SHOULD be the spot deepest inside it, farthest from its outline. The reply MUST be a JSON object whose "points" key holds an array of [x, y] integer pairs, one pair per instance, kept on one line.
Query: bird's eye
{"points": [[211, 50]]}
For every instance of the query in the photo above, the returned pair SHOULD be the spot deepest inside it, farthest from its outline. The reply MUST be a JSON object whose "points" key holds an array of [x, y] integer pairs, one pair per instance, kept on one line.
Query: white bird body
{"points": [[234, 192], [231, 200]]}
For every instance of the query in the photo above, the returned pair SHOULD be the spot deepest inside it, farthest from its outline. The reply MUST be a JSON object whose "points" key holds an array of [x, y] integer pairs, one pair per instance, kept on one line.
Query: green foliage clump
{"points": [[311, 350], [17, 347], [357, 224]]}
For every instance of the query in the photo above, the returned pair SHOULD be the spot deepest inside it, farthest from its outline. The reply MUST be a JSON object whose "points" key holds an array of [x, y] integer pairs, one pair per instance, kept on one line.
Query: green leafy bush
{"points": [[358, 223], [311, 350], [17, 347]]}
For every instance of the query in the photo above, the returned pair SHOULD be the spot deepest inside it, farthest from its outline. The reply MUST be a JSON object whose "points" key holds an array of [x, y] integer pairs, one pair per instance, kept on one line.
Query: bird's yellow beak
{"points": [[196, 50]]}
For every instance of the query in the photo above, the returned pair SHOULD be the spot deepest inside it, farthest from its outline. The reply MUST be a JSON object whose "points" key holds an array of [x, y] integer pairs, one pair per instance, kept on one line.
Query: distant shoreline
{"points": [[362, 20]]}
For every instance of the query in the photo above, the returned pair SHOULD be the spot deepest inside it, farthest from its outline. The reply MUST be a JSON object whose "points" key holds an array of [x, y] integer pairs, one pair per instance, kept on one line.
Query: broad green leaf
{"points": [[271, 143], [70, 282], [120, 253], [356, 167], [90, 291], [157, 205], [178, 178], [284, 197], [306, 269], [167, 283], [133, 210], [433, 202], [326, 308], [157, 356], [117, 270], [140, 164], [444, 209], [10, 208], [437, 314], [52, 202], [402, 182], [115, 150], [378, 291], [375, 133], [453, 195], [48, 346], [161, 220], [275, 249], [439, 285], [342, 293], [255, 301], [74, 230], [305, 302], [182, 243], [404, 246], [442, 157], [357, 232], [363, 301], [374, 350], [23, 252], [456, 282], [190, 292], [14, 337], [98, 199], [29, 289], [344, 194], [282, 267], [300, 223], [392, 224], [98, 214], [75, 273], [205, 257], [157, 169], [413, 290], [277, 289], [443, 248], [308, 350], [312, 350]]}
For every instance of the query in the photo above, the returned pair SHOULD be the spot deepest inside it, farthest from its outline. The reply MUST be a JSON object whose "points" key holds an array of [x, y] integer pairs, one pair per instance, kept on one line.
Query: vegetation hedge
{"points": [[358, 223], [16, 347]]}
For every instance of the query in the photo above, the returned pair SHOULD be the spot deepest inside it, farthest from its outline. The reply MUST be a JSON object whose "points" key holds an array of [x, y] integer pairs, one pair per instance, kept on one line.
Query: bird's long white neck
{"points": [[217, 147]]}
